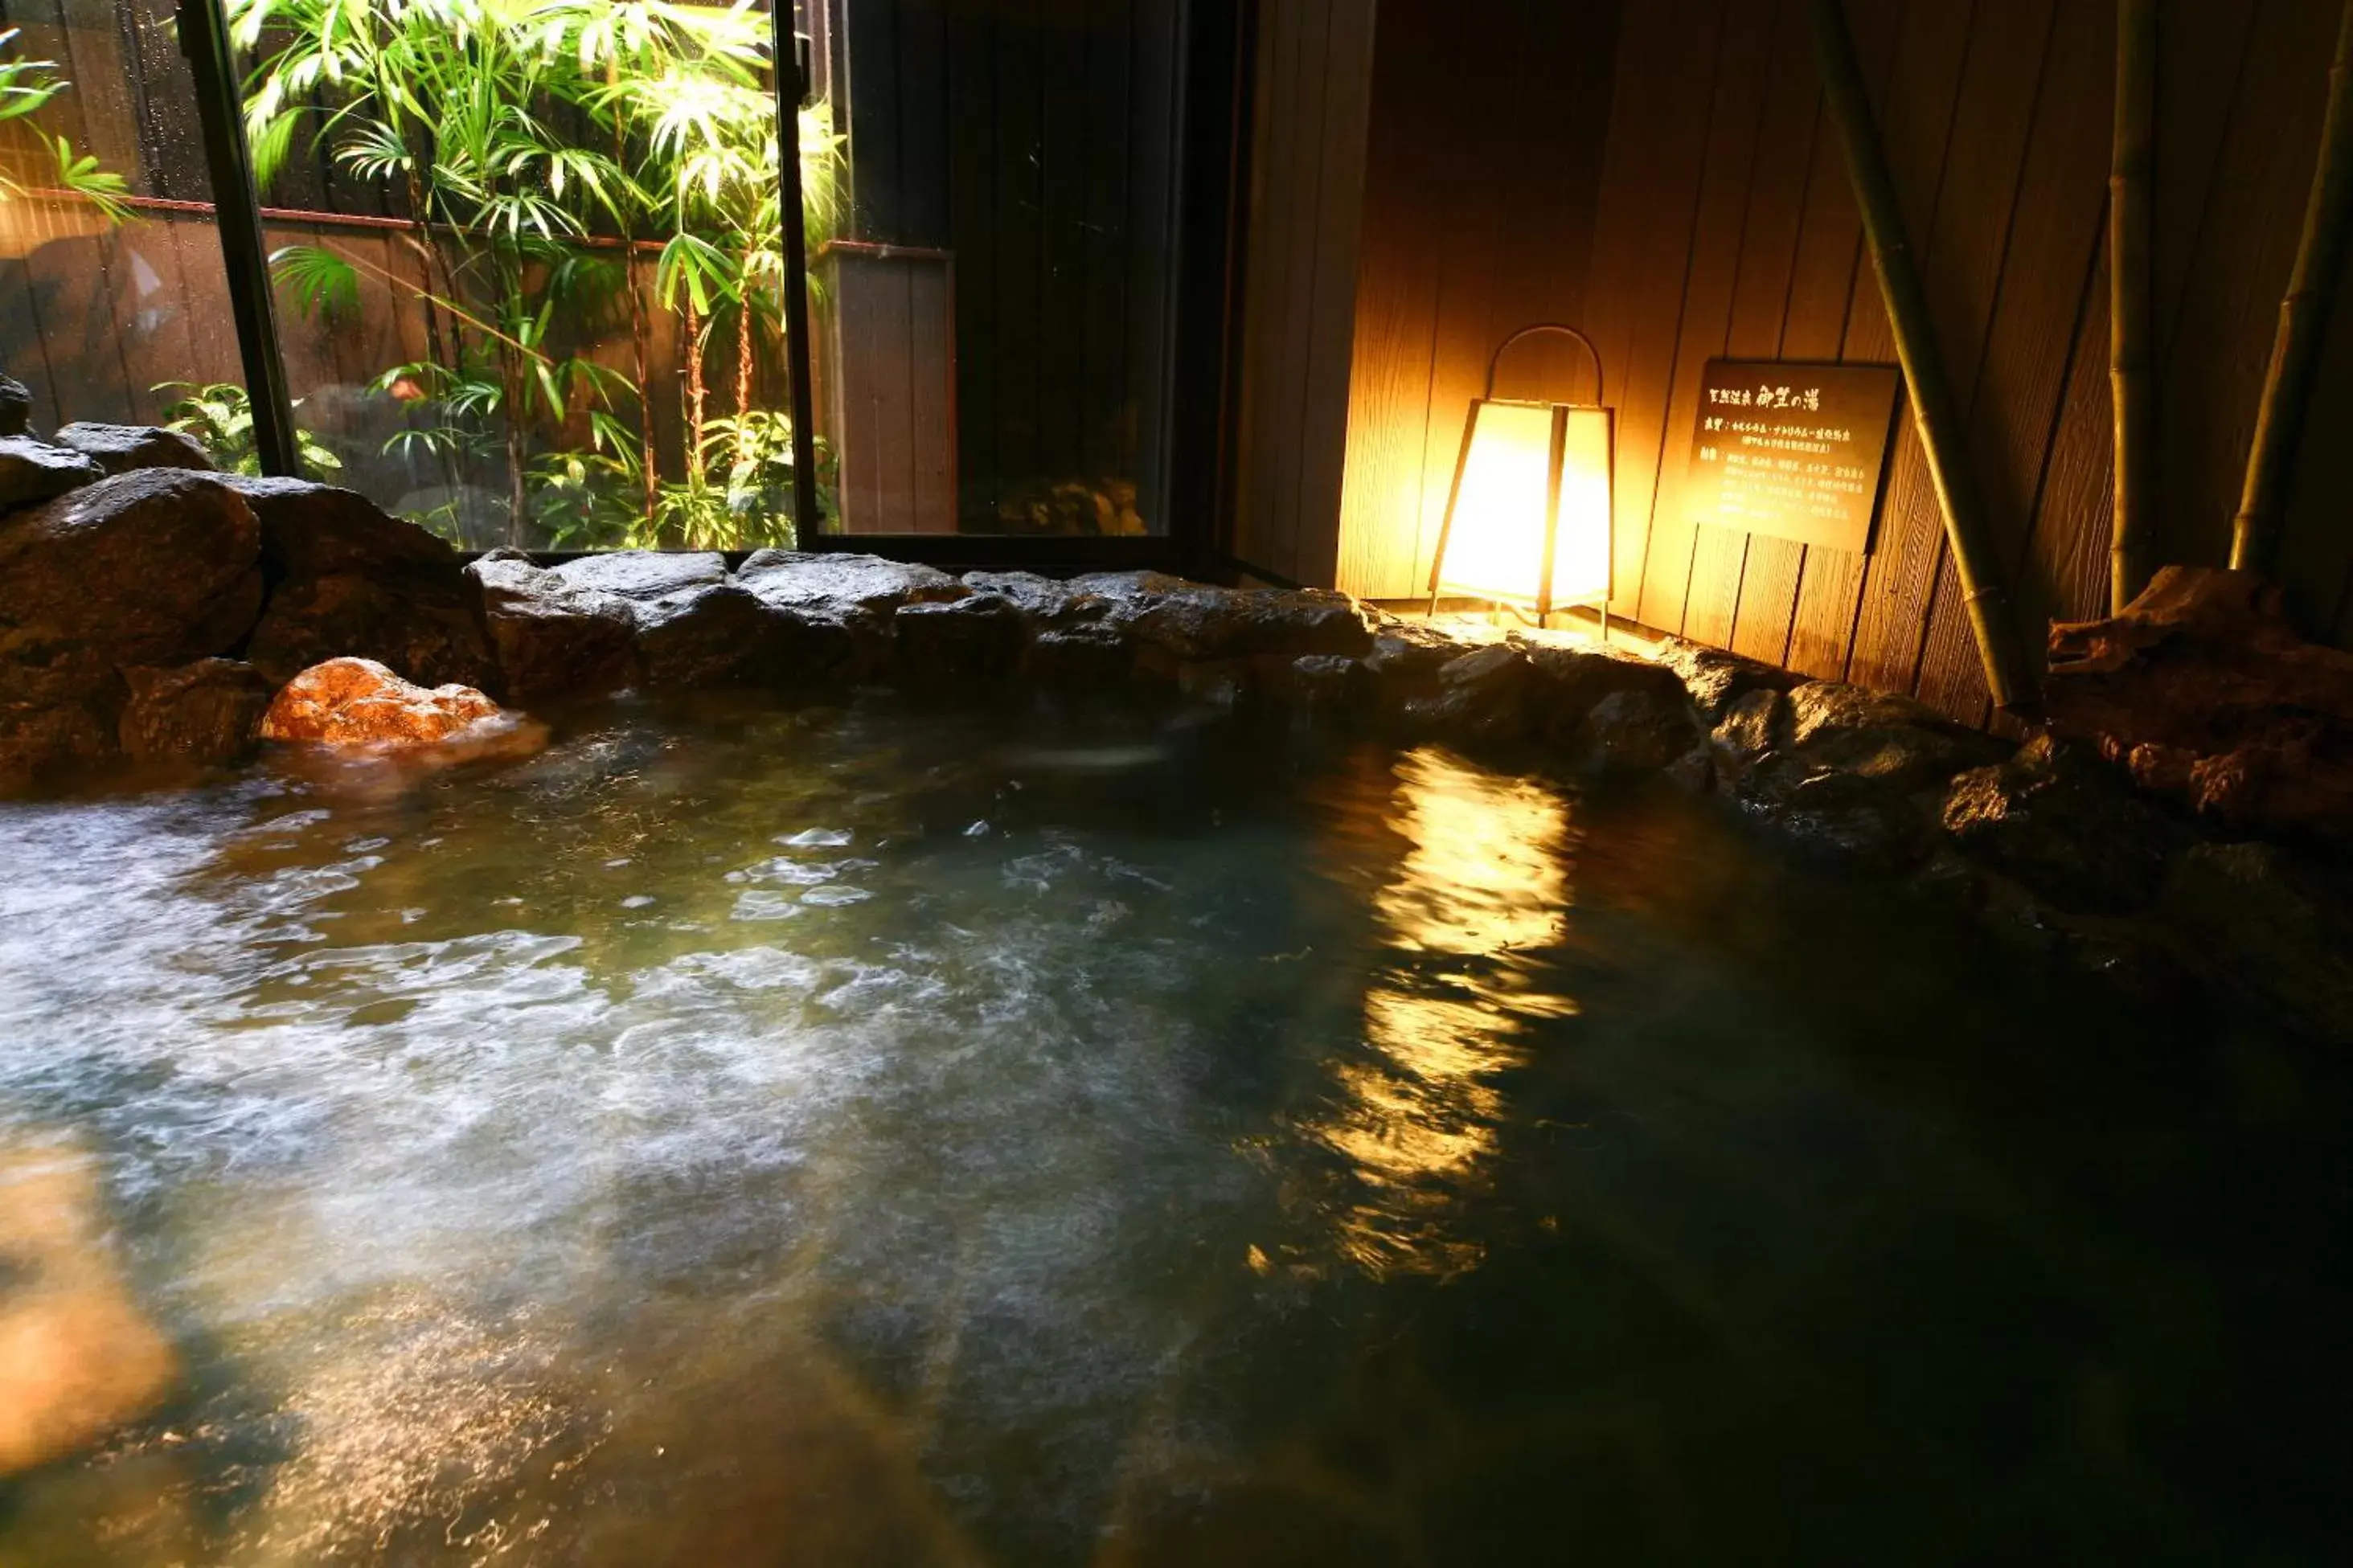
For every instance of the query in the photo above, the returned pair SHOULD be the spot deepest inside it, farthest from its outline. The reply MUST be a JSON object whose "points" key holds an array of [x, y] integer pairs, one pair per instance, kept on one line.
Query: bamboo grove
{"points": [[573, 168]]}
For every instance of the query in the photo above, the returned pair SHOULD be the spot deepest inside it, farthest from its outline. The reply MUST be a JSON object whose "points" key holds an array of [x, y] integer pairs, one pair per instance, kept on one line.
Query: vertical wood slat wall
{"points": [[1657, 171], [1312, 99]]}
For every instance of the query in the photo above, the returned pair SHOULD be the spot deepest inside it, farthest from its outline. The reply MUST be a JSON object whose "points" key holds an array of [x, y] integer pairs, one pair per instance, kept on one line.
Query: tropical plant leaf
{"points": [[324, 285]]}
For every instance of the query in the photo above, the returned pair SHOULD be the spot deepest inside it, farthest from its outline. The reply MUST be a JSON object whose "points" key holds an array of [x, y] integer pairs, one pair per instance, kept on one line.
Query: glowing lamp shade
{"points": [[1528, 520]]}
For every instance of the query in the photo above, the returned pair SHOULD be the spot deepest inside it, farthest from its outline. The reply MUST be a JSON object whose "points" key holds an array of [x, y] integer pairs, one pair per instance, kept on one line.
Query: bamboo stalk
{"points": [[1935, 412], [2131, 153], [2303, 324]]}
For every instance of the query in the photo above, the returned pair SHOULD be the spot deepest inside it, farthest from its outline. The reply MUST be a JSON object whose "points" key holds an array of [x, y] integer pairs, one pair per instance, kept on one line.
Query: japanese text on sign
{"points": [[1793, 451]]}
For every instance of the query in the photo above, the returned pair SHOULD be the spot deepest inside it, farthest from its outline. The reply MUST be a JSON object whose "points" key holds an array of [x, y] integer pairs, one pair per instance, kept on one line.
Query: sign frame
{"points": [[1830, 432]]}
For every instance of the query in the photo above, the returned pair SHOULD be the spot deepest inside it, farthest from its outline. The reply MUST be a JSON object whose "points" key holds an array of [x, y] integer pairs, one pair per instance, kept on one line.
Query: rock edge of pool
{"points": [[152, 615]]}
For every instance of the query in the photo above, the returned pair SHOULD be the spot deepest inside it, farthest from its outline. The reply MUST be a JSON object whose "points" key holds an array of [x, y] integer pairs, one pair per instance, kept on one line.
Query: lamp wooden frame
{"points": [[1560, 415]]}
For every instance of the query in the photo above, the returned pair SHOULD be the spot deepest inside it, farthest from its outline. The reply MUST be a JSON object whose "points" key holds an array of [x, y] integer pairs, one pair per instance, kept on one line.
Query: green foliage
{"points": [[324, 285], [25, 88], [519, 131], [220, 418]]}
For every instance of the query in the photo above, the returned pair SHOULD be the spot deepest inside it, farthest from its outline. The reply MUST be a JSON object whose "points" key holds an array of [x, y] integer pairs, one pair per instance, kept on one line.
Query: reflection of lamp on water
{"points": [[1528, 519], [1478, 894]]}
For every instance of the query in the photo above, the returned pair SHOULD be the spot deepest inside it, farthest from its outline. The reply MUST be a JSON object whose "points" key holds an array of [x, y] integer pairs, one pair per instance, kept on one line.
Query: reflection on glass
{"points": [[1483, 889], [993, 320], [528, 260], [113, 299]]}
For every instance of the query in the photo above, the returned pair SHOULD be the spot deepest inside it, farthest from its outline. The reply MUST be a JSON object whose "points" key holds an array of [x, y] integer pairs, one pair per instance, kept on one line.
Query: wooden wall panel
{"points": [[1642, 245], [1718, 247], [2055, 234], [1721, 220], [1489, 120], [1763, 283]]}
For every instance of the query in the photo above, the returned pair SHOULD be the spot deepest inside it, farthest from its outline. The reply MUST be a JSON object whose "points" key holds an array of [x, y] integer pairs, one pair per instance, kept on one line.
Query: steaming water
{"points": [[747, 1134]]}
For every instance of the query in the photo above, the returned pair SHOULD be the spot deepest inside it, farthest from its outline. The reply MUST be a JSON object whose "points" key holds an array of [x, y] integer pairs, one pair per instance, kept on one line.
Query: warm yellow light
{"points": [[1529, 471]]}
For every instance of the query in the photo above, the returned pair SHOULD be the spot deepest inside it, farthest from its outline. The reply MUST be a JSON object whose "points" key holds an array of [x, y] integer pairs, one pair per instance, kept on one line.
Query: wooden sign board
{"points": [[1792, 450]]}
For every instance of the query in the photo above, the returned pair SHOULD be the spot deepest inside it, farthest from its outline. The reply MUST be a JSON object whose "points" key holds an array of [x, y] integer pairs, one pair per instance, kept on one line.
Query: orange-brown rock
{"points": [[2205, 692], [359, 703]]}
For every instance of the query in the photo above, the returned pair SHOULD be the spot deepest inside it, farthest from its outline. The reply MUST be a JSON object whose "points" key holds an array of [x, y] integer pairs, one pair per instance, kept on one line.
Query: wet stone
{"points": [[842, 585], [1085, 655], [548, 636], [1191, 621], [357, 701], [712, 633], [349, 579], [645, 573], [1478, 697], [2063, 826], [1748, 728], [1714, 679], [1327, 685], [208, 712], [1574, 679], [1635, 731], [1042, 601], [153, 567], [119, 449], [964, 642], [15, 407], [33, 471]]}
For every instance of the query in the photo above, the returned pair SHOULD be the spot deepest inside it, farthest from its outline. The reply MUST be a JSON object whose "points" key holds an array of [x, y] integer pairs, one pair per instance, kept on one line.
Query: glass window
{"points": [[527, 260], [992, 314], [113, 298]]}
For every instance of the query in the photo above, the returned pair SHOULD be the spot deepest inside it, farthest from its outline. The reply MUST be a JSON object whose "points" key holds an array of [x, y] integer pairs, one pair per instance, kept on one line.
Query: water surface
{"points": [[747, 1133]]}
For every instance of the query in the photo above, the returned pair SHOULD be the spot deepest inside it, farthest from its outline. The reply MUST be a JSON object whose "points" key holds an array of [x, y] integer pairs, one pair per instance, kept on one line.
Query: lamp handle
{"points": [[1497, 357]]}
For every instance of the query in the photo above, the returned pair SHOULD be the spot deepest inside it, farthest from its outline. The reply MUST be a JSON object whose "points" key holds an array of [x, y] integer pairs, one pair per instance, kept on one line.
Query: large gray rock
{"points": [[1042, 601], [156, 566], [1085, 655], [1859, 776], [119, 449], [1190, 621], [56, 721], [1847, 744], [830, 583], [1406, 652], [350, 580], [1573, 679], [548, 637], [1747, 728], [2065, 828], [1713, 678], [33, 471], [694, 626], [208, 712], [2267, 932], [16, 406], [1635, 729], [711, 633], [836, 611], [645, 574], [961, 644], [1479, 697], [1329, 686]]}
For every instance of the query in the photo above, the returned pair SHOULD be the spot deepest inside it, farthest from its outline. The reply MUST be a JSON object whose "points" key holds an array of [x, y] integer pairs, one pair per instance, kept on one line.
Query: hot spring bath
{"points": [[754, 1133]]}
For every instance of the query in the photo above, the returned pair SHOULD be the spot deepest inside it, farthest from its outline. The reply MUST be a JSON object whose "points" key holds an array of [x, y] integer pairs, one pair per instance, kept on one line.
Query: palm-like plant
{"points": [[451, 102], [27, 87]]}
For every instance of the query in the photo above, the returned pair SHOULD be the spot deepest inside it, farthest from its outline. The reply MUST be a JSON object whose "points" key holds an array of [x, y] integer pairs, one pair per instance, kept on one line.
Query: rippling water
{"points": [[747, 1134]]}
